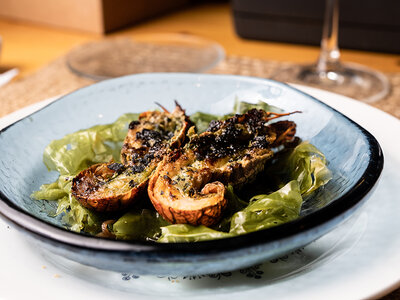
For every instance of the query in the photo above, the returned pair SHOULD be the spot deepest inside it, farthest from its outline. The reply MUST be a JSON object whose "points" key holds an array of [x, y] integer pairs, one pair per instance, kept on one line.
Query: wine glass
{"points": [[154, 52], [329, 73]]}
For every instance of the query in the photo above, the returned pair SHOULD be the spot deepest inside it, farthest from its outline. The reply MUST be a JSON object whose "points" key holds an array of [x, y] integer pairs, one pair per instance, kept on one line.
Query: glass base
{"points": [[163, 52], [352, 80]]}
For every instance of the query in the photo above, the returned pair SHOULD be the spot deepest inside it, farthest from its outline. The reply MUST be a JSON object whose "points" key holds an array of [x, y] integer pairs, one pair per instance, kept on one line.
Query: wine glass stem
{"points": [[330, 54]]}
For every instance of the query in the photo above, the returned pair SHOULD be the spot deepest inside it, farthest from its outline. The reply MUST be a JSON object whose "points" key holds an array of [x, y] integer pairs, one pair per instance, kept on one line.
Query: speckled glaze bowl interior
{"points": [[354, 156]]}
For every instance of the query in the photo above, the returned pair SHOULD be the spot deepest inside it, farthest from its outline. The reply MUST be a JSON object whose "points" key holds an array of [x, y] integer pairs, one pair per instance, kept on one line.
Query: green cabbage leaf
{"points": [[141, 224], [79, 150], [70, 155]]}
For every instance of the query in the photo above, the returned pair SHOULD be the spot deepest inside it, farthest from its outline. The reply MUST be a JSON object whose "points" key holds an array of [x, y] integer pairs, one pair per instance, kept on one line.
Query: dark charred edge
{"points": [[133, 124], [162, 107], [285, 132], [179, 106], [117, 167], [172, 214]]}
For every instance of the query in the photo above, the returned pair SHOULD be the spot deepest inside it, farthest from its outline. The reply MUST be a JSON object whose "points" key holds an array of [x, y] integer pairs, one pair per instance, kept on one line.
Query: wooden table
{"points": [[31, 46]]}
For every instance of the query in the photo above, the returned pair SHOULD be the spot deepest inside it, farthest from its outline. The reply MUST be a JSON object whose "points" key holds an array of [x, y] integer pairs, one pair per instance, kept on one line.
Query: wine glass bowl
{"points": [[352, 80]]}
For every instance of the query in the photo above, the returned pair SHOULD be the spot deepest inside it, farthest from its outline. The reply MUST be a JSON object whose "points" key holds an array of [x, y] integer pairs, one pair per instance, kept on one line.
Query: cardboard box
{"points": [[98, 16], [364, 24]]}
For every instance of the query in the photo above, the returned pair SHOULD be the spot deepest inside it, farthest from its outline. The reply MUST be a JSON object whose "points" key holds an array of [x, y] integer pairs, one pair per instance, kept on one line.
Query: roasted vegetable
{"points": [[114, 186], [188, 186], [152, 135]]}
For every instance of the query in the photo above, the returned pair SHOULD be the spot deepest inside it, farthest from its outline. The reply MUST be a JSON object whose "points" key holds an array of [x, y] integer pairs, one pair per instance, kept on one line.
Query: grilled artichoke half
{"points": [[189, 185], [113, 186]]}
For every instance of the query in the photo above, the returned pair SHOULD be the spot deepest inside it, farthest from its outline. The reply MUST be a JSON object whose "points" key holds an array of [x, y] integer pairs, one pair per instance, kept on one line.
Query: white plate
{"points": [[359, 259]]}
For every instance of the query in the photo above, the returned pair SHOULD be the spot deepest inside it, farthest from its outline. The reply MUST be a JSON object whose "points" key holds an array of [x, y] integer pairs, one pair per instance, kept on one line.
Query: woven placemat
{"points": [[56, 78]]}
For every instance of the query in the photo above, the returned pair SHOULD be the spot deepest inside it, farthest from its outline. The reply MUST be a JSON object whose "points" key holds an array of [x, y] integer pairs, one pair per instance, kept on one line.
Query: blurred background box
{"points": [[98, 16], [364, 24]]}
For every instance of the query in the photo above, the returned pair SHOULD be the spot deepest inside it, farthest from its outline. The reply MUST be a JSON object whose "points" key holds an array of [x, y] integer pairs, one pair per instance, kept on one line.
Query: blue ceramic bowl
{"points": [[354, 156]]}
